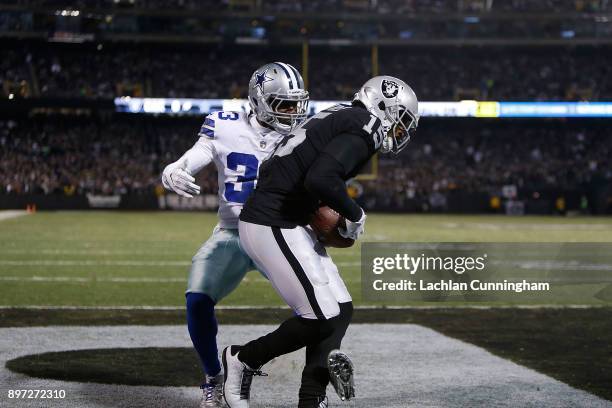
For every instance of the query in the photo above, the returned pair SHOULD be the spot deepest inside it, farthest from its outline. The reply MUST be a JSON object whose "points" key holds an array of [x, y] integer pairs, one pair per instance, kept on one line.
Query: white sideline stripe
{"points": [[256, 278], [443, 372], [121, 279], [258, 307], [48, 251], [8, 214], [48, 262], [519, 226], [532, 264], [112, 252], [88, 279]]}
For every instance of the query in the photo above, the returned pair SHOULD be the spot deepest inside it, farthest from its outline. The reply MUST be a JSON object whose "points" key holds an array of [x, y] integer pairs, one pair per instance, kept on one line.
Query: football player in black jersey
{"points": [[309, 168]]}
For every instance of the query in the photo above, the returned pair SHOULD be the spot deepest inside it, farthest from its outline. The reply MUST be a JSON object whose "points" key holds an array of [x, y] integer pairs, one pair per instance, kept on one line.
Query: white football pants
{"points": [[298, 267]]}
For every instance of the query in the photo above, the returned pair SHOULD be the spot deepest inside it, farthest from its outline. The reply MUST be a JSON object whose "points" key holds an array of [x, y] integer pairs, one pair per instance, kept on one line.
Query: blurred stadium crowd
{"points": [[76, 158], [552, 74], [127, 156], [369, 6], [65, 60], [447, 158], [288, 21]]}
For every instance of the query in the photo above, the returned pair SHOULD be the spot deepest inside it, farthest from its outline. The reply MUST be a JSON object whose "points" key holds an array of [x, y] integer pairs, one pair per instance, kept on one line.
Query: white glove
{"points": [[176, 177], [353, 230]]}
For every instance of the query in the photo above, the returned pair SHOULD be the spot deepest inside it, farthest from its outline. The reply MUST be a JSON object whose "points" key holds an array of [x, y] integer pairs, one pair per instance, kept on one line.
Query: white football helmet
{"points": [[393, 102], [277, 96]]}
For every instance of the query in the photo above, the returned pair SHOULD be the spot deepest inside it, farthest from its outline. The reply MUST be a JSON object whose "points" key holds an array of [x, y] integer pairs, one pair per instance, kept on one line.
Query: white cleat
{"points": [[212, 392], [341, 374], [238, 379]]}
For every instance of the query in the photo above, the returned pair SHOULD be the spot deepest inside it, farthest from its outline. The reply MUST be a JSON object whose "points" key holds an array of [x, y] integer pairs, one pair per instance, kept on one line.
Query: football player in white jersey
{"points": [[237, 143]]}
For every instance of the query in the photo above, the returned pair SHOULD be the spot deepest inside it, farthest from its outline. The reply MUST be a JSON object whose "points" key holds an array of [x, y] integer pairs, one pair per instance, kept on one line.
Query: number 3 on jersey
{"points": [[239, 190]]}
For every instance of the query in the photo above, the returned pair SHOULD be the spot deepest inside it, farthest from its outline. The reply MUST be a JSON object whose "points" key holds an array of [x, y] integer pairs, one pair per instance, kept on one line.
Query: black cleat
{"points": [[341, 374]]}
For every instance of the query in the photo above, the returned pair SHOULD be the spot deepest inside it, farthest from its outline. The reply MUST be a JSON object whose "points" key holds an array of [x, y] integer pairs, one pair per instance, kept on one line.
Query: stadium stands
{"points": [[63, 62], [356, 6], [450, 73], [126, 155]]}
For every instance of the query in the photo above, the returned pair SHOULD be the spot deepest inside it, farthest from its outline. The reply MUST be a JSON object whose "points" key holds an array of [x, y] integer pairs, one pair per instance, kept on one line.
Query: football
{"points": [[325, 223]]}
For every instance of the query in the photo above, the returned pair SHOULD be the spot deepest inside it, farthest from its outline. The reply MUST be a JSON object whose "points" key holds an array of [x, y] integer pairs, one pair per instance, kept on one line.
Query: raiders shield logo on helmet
{"points": [[389, 88]]}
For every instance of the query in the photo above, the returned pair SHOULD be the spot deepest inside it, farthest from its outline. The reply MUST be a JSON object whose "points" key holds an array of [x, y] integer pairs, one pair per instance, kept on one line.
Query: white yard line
{"points": [[8, 214], [521, 226], [82, 263], [536, 264], [88, 252], [79, 279], [258, 307], [396, 366], [118, 252], [98, 277], [96, 263], [531, 264]]}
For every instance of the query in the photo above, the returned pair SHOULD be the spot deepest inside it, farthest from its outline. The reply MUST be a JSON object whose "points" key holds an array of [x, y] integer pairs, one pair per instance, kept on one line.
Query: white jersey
{"points": [[238, 144]]}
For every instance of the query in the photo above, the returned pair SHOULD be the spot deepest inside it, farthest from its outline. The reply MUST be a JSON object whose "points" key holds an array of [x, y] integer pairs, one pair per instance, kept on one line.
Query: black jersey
{"points": [[280, 198]]}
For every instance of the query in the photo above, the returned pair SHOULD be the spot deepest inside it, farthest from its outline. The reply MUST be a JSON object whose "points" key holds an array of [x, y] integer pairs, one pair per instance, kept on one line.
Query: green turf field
{"points": [[142, 258]]}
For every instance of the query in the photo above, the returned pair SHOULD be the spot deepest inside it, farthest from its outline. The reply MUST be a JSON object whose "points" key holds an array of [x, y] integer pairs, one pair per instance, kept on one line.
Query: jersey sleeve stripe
{"points": [[206, 131], [209, 122]]}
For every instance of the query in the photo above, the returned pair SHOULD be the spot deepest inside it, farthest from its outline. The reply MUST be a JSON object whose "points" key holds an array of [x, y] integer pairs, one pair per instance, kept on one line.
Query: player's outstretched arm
{"points": [[325, 179], [178, 176]]}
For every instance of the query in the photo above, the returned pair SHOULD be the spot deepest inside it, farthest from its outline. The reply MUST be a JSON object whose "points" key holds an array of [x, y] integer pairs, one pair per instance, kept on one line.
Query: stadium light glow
{"points": [[461, 109]]}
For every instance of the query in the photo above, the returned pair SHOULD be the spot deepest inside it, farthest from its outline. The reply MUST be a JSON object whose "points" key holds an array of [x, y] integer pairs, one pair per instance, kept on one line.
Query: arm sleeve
{"points": [[199, 156], [325, 178]]}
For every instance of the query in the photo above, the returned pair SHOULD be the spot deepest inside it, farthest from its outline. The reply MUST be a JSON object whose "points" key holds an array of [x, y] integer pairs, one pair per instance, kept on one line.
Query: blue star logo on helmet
{"points": [[260, 79], [389, 88]]}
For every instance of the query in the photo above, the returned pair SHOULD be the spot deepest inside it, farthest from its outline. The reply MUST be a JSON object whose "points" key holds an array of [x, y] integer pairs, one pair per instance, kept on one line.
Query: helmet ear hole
{"points": [[381, 105]]}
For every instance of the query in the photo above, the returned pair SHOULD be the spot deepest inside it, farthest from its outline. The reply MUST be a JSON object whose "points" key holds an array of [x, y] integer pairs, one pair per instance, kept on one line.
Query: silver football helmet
{"points": [[393, 102], [277, 96]]}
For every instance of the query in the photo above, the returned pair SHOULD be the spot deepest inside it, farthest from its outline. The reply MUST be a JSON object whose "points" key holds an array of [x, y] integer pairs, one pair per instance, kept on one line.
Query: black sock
{"points": [[315, 376]]}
